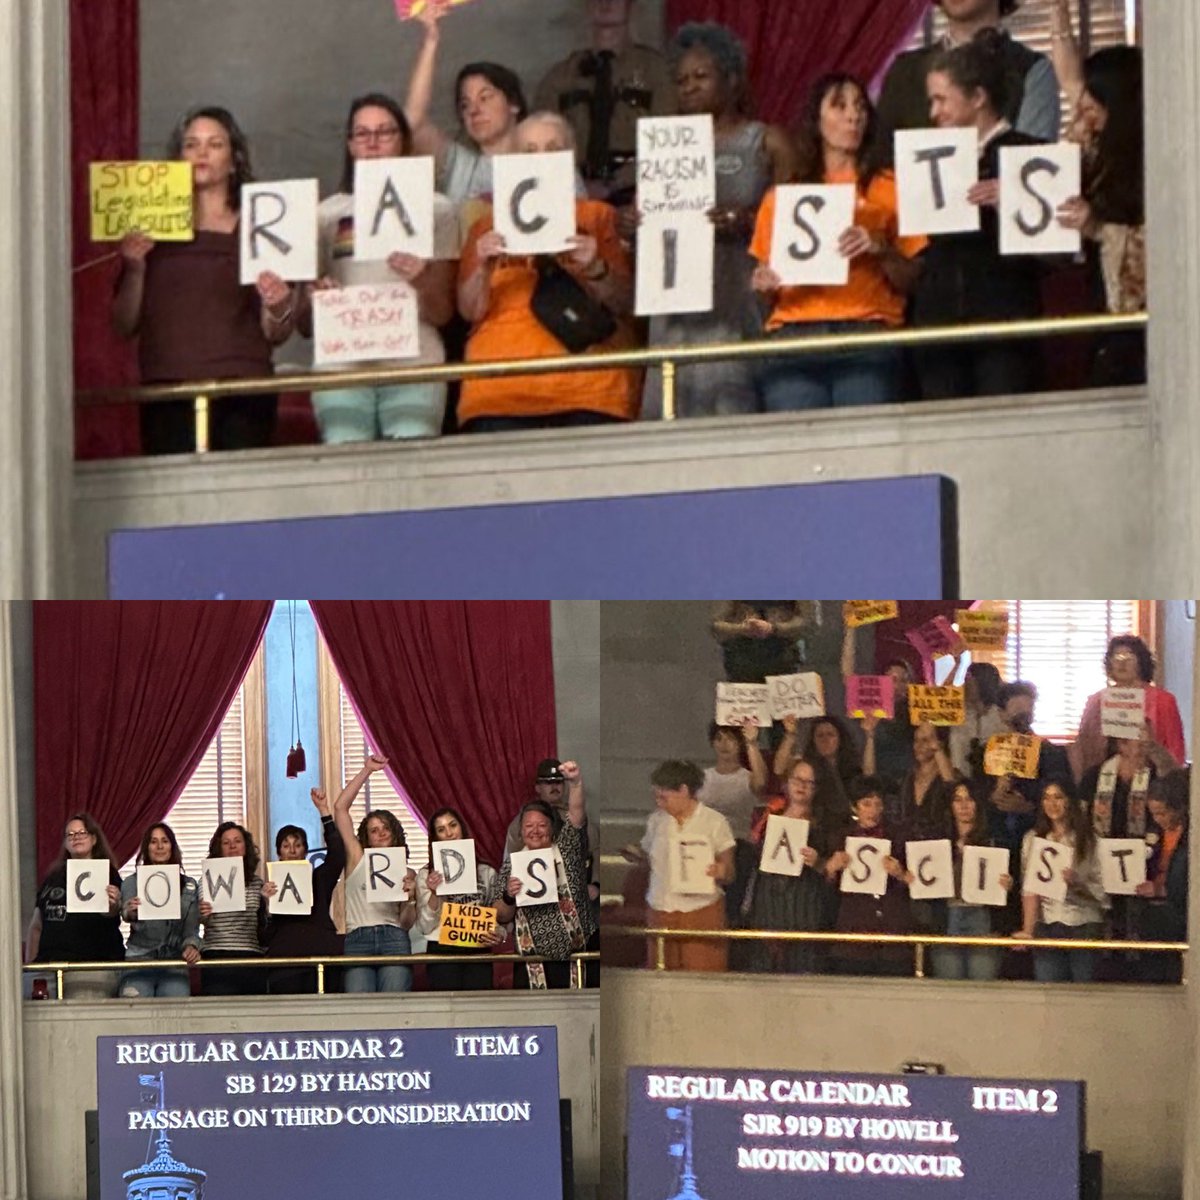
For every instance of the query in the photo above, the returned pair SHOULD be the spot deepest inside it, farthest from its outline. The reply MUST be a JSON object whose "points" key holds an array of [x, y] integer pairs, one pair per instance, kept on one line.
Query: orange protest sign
{"points": [[982, 630], [465, 925], [869, 612], [1012, 754], [414, 8], [944, 705]]}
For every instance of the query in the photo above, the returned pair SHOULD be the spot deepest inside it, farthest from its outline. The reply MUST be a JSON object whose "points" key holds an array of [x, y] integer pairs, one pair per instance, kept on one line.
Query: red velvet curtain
{"points": [[127, 696], [459, 694], [104, 126], [791, 43]]}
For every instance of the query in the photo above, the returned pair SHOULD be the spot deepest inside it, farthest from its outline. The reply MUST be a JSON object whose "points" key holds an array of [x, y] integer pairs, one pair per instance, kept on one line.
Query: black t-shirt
{"points": [[76, 937]]}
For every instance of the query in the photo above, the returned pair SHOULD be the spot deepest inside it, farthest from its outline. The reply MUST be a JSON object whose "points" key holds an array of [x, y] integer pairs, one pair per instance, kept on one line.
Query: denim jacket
{"points": [[164, 939]]}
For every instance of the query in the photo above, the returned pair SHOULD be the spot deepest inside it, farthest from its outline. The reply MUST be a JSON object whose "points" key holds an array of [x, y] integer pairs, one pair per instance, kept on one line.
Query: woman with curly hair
{"points": [[374, 928], [1128, 663], [833, 145], [236, 935], [711, 78]]}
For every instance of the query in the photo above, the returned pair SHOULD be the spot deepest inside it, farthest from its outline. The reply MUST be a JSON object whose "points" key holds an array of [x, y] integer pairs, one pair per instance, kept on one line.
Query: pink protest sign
{"points": [[935, 637], [870, 694]]}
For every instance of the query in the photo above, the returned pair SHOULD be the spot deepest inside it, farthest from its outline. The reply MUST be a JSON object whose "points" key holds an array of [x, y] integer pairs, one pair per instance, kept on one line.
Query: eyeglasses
{"points": [[77, 833], [386, 133]]}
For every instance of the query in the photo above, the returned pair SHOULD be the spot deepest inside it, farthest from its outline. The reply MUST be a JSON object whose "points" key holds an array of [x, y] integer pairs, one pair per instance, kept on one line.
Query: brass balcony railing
{"points": [[60, 969], [920, 942], [669, 358]]}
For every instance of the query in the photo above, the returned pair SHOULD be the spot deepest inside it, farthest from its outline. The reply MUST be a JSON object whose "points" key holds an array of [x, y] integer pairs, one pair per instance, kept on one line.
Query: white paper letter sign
{"points": [[935, 169], [1035, 181], [535, 870], [295, 895], [455, 863], [1122, 864], [393, 208], [223, 884], [87, 881], [675, 264], [798, 696], [982, 868], [366, 323], [785, 838], [1044, 871], [690, 860], [739, 702], [865, 872], [386, 868], [1123, 712], [279, 230], [932, 867], [809, 220], [158, 893], [535, 201]]}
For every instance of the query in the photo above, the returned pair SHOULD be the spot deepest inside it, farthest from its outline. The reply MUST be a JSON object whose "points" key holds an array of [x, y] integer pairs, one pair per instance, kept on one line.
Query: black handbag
{"points": [[564, 308]]}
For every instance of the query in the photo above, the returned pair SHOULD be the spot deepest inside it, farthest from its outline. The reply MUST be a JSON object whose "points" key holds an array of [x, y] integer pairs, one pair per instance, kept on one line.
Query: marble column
{"points": [[12, 1062], [35, 300], [1172, 42]]}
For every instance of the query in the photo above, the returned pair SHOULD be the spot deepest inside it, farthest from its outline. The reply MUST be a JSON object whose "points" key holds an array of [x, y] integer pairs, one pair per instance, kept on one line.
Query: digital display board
{"points": [[421, 1112], [890, 537], [698, 1134]]}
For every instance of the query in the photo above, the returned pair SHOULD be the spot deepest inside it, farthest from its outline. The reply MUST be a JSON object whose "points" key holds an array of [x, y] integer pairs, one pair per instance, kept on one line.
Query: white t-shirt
{"points": [[731, 796], [661, 830], [360, 914], [1086, 899], [335, 249]]}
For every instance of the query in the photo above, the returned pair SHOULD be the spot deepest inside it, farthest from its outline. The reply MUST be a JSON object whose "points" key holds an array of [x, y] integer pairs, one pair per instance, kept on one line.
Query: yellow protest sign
{"points": [[1012, 754], [154, 198], [982, 630], [465, 925], [869, 612], [938, 705], [414, 8]]}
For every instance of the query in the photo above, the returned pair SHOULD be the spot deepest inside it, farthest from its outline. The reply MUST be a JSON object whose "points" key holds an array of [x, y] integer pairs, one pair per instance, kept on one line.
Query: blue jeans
{"points": [[844, 379], [1066, 966], [414, 410], [378, 939], [967, 962], [146, 984]]}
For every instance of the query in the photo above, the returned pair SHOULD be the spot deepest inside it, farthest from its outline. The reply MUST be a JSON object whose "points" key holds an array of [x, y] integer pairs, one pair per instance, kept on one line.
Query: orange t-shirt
{"points": [[510, 330], [867, 296], [1170, 843]]}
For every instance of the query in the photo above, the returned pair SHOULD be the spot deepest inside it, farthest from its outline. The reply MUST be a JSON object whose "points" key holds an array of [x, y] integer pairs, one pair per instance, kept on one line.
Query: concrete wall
{"points": [[288, 68], [1124, 1041], [1049, 540], [60, 1057]]}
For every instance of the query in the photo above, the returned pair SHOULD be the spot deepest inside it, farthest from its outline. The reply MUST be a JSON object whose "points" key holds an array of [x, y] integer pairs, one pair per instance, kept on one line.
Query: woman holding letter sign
{"points": [[711, 77], [379, 927], [376, 128], [957, 917], [834, 143], [862, 912], [559, 928], [793, 902], [964, 277], [56, 935], [236, 935], [448, 825], [185, 303], [496, 294], [1080, 914], [1161, 910], [153, 939]]}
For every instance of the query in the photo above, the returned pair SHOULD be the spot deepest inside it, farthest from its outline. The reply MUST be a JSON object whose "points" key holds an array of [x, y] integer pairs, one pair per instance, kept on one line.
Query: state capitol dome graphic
{"points": [[164, 1177]]}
